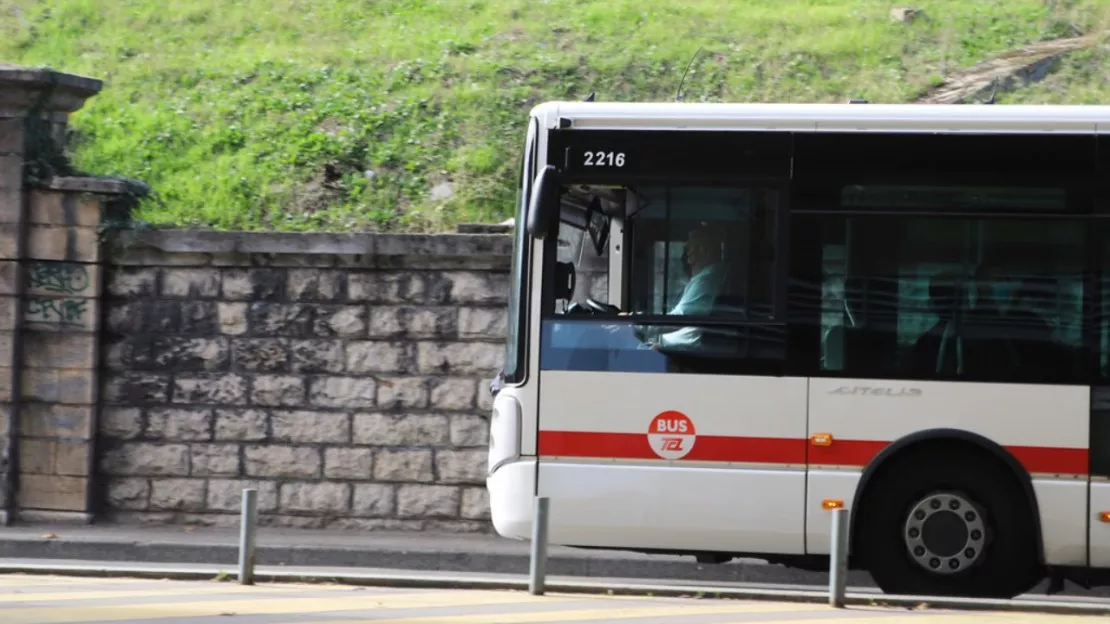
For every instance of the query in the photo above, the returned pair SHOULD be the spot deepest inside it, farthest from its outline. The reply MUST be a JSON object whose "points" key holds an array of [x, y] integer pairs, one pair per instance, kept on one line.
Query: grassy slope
{"points": [[232, 110]]}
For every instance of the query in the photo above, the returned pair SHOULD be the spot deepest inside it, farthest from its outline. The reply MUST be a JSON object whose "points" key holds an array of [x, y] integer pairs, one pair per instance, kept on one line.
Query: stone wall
{"points": [[343, 376], [151, 377]]}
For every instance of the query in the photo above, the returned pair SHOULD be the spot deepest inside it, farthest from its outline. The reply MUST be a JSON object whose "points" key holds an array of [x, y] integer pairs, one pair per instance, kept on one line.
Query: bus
{"points": [[726, 320]]}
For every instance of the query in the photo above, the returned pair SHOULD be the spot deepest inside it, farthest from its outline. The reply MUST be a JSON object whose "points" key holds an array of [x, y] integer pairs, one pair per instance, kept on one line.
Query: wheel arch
{"points": [[959, 437]]}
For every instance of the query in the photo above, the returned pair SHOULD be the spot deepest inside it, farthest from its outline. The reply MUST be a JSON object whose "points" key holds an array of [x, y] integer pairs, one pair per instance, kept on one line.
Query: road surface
{"points": [[31, 599]]}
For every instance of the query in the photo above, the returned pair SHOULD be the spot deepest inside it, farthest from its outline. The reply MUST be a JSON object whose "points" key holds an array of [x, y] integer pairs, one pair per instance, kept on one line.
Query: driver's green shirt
{"points": [[697, 298]]}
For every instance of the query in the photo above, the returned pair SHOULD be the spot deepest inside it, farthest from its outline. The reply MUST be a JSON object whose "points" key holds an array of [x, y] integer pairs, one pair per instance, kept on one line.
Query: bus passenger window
{"points": [[981, 299]]}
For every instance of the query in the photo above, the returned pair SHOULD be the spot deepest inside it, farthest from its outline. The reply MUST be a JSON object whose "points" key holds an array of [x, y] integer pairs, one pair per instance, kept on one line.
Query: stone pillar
{"points": [[11, 219], [49, 299]]}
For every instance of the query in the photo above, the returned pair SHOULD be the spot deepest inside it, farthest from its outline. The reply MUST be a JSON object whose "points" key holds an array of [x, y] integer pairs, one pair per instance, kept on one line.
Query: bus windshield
{"points": [[677, 266]]}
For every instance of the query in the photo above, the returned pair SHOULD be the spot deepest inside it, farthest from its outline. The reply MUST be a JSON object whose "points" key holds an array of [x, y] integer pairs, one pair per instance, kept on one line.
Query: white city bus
{"points": [[727, 319]]}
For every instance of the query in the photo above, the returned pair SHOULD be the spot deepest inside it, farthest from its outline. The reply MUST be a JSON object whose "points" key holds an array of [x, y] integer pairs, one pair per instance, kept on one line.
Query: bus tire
{"points": [[957, 524]]}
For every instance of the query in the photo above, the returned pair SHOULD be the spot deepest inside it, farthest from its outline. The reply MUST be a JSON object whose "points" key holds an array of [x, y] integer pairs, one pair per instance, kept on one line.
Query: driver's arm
{"points": [[698, 298], [651, 333]]}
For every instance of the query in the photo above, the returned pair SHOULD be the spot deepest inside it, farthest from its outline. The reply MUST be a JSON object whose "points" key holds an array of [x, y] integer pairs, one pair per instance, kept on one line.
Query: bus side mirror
{"points": [[544, 203], [494, 388]]}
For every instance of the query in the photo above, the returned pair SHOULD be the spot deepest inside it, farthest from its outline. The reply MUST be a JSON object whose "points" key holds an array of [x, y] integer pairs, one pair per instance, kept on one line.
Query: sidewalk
{"points": [[379, 549]]}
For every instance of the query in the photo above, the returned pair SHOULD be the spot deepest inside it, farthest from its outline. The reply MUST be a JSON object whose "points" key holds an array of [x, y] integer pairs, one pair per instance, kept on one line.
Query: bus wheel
{"points": [[956, 525]]}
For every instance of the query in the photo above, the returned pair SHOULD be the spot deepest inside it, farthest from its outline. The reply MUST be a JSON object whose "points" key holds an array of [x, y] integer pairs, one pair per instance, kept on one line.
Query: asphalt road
{"points": [[29, 599]]}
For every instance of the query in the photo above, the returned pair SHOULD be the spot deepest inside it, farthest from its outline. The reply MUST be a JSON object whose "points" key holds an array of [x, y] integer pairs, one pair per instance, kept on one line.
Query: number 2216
{"points": [[604, 159]]}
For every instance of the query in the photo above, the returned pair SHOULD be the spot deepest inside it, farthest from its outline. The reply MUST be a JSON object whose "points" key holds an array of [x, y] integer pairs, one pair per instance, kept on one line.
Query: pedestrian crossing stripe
{"points": [[25, 600]]}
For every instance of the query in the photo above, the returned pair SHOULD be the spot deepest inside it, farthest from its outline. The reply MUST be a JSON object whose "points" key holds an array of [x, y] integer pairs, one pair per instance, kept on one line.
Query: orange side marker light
{"points": [[832, 503], [821, 439], [1104, 516]]}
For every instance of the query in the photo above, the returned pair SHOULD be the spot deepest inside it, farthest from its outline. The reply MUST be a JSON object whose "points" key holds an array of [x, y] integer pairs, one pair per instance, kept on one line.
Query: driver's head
{"points": [[704, 246]]}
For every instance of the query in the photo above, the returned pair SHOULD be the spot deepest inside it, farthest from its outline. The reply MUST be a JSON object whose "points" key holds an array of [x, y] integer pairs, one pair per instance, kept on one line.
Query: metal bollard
{"points": [[538, 565], [838, 558], [246, 536]]}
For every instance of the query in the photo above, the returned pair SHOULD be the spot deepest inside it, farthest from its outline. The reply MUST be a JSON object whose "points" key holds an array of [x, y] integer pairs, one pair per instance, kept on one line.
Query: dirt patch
{"points": [[1007, 71], [324, 189]]}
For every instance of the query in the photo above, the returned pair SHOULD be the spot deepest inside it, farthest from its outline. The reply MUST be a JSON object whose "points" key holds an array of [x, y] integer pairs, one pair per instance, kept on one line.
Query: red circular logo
{"points": [[671, 435]]}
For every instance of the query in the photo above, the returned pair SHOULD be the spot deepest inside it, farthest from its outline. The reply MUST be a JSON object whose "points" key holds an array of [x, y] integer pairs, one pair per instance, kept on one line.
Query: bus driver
{"points": [[704, 258]]}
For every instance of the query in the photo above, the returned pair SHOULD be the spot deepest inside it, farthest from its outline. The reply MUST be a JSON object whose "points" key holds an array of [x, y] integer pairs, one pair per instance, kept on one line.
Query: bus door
{"points": [[666, 418], [1099, 526], [1099, 418]]}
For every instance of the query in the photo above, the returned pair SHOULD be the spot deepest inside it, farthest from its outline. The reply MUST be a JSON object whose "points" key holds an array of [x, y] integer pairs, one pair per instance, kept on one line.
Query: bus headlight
{"points": [[504, 431]]}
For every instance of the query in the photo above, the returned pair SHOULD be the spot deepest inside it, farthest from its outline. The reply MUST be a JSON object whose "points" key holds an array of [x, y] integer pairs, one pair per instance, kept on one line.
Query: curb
{"points": [[561, 585], [580, 564]]}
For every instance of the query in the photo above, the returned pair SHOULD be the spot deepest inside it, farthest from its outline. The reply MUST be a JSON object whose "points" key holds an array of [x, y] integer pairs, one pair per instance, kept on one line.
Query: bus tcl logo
{"points": [[672, 425], [671, 435], [672, 444]]}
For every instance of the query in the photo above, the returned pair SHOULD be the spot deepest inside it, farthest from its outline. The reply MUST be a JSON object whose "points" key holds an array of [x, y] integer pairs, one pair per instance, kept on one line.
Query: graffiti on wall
{"points": [[61, 289], [56, 311], [64, 278]]}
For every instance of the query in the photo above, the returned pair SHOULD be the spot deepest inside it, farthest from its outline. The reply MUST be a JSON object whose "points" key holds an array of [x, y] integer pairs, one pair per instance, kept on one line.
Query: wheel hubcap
{"points": [[945, 533]]}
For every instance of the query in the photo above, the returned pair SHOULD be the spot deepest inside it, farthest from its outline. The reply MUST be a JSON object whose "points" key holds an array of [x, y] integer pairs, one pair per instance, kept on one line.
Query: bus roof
{"points": [[942, 118]]}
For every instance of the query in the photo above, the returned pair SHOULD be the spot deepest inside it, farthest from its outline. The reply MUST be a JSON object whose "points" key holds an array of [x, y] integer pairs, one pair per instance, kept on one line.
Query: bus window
{"points": [[699, 291], [1100, 390], [705, 251], [982, 299], [835, 312], [587, 264]]}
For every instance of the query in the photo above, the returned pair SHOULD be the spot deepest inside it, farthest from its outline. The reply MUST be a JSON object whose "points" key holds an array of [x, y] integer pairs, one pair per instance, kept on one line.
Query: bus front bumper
{"points": [[512, 488]]}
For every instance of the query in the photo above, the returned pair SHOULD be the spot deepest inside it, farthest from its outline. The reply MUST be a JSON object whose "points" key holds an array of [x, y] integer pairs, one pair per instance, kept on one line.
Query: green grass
{"points": [[237, 112]]}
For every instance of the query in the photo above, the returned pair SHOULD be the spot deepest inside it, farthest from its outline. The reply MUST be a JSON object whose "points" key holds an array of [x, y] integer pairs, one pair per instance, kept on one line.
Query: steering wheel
{"points": [[576, 308], [604, 308]]}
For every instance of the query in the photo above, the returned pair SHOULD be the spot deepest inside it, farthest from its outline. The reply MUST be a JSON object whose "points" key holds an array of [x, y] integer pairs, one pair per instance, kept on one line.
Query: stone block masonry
{"points": [[50, 278], [60, 321], [153, 378], [343, 376]]}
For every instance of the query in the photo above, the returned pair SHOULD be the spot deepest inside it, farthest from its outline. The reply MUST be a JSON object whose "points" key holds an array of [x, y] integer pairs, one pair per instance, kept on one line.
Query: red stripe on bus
{"points": [[846, 452], [706, 448], [739, 449], [1052, 460], [1035, 459], [599, 445]]}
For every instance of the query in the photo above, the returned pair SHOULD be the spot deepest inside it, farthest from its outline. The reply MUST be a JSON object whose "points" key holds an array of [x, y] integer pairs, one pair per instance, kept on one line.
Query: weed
{"points": [[400, 115]]}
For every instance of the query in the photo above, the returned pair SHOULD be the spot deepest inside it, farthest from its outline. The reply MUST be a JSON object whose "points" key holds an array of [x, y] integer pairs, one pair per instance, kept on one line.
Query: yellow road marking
{"points": [[66, 615], [927, 617], [51, 581], [661, 610], [885, 616], [347, 598], [162, 590], [971, 617]]}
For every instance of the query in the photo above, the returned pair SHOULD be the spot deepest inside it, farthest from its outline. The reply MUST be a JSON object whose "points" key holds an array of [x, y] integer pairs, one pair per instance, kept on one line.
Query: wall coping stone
{"points": [[98, 185], [22, 87], [322, 243], [484, 228]]}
